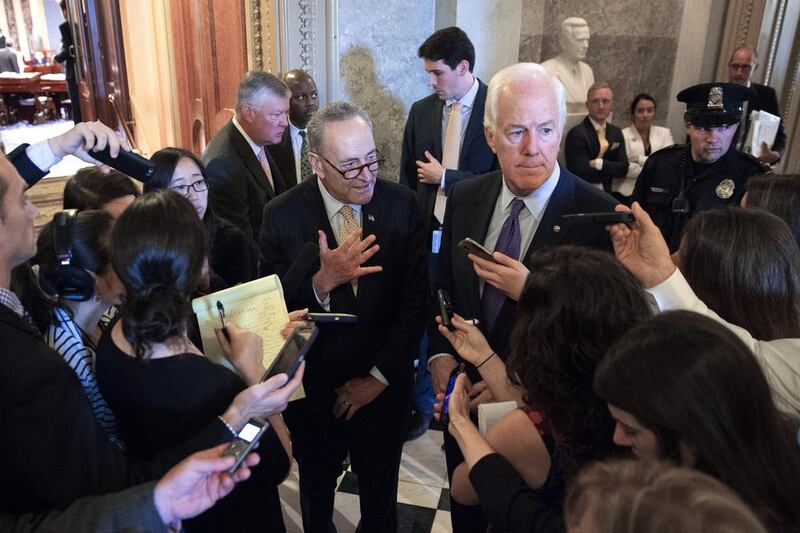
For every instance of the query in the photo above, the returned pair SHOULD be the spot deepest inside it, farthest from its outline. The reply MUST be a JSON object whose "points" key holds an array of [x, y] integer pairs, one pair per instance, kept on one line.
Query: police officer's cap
{"points": [[711, 105]]}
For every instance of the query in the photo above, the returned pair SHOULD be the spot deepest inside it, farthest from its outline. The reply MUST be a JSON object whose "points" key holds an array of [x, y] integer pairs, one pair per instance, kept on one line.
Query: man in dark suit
{"points": [[516, 211], [8, 59], [67, 56], [595, 148], [241, 172], [54, 450], [291, 155], [432, 162], [449, 58], [358, 379], [741, 66]]}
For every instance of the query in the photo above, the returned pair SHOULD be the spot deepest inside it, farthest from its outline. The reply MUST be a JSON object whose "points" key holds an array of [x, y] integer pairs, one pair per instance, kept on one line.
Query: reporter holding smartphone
{"points": [[158, 383]]}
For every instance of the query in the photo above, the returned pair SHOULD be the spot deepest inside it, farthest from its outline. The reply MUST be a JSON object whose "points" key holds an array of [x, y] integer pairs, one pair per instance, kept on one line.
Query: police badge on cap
{"points": [[713, 105]]}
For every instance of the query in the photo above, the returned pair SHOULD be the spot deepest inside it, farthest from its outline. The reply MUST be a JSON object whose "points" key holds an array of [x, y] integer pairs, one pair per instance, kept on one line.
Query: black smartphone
{"points": [[471, 246], [129, 163], [331, 318], [245, 441], [451, 384], [445, 309], [292, 353], [612, 217]]}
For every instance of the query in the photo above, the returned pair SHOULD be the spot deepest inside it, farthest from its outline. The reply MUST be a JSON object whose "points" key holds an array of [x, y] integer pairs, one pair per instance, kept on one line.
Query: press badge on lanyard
{"points": [[436, 241]]}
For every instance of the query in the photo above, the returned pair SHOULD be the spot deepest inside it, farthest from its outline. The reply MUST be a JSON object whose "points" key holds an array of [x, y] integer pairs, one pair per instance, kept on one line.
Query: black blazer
{"points": [[67, 50], [582, 146], [765, 100], [469, 211], [424, 132], [239, 187], [283, 154], [391, 305], [53, 449]]}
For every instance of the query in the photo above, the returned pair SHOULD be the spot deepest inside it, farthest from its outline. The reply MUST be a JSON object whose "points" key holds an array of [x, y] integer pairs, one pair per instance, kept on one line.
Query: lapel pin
{"points": [[371, 218], [556, 228]]}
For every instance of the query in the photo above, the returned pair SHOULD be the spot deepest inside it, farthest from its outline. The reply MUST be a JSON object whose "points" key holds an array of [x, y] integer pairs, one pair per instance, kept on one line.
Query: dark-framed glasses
{"points": [[352, 172], [183, 190]]}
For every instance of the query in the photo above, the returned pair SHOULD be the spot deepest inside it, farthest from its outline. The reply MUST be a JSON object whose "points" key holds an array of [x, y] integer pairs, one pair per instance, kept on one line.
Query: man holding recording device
{"points": [[359, 374], [54, 450], [513, 212]]}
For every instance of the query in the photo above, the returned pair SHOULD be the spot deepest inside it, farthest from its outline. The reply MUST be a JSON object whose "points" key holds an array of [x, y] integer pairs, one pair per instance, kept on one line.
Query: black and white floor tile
{"points": [[423, 496]]}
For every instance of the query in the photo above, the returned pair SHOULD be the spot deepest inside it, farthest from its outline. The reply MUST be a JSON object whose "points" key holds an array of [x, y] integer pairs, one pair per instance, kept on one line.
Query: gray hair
{"points": [[332, 112], [254, 84], [528, 73]]}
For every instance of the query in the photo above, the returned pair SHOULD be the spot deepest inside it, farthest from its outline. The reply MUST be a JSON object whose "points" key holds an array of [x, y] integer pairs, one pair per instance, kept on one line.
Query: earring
{"points": [[96, 299]]}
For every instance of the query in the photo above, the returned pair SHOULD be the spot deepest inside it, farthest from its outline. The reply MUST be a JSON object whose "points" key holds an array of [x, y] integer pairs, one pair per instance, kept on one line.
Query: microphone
{"points": [[305, 262]]}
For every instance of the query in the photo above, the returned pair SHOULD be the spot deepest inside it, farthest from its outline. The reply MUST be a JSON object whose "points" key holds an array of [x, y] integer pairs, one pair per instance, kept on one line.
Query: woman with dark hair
{"points": [[751, 263], [745, 265], [159, 384], [90, 188], [575, 304], [642, 138], [70, 321], [639, 496], [685, 389], [778, 194], [229, 253]]}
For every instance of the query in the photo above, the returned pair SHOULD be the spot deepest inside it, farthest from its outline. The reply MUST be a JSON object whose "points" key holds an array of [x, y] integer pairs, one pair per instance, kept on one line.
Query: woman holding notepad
{"points": [[161, 387]]}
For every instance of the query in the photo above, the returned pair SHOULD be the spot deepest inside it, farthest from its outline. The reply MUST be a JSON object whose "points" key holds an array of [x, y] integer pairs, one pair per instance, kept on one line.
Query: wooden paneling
{"points": [[209, 43]]}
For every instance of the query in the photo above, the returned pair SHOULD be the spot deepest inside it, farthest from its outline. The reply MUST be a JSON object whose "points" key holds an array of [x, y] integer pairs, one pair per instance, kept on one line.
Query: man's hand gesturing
{"points": [[343, 264]]}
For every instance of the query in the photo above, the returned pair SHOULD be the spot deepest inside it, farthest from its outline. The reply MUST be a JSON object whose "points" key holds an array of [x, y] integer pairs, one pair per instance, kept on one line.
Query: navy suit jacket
{"points": [[582, 146], [283, 154], [392, 305], [424, 132], [469, 211], [239, 187]]}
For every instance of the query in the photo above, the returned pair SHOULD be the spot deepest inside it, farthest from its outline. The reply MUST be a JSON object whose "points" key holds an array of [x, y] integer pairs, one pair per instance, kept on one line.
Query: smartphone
{"points": [[329, 318], [451, 384], [127, 162], [245, 441], [471, 246], [292, 353], [445, 309], [612, 217]]}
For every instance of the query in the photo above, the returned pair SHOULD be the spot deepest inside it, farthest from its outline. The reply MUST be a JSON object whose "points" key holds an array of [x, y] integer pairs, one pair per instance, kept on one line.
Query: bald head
{"points": [[742, 64], [304, 101]]}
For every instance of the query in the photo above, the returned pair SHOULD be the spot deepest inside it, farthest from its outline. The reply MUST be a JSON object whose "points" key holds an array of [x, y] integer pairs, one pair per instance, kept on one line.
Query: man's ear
{"points": [[462, 67], [316, 165], [489, 134]]}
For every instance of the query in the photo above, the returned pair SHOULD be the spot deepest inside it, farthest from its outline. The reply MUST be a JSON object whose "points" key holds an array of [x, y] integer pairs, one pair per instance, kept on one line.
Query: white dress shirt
{"points": [[297, 146]]}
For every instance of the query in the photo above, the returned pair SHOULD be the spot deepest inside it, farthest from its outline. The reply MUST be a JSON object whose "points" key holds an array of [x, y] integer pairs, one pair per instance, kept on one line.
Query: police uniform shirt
{"points": [[706, 186]]}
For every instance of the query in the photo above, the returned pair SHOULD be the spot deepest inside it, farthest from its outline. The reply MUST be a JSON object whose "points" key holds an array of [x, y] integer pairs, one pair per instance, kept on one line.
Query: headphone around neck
{"points": [[67, 281]]}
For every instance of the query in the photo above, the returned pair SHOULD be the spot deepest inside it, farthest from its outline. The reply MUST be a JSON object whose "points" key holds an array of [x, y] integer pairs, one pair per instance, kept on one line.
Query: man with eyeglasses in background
{"points": [[371, 263], [742, 65], [241, 172]]}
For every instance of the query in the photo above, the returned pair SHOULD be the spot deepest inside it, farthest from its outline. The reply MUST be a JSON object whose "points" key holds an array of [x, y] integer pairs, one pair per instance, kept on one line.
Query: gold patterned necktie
{"points": [[601, 136], [262, 158], [349, 225], [450, 153]]}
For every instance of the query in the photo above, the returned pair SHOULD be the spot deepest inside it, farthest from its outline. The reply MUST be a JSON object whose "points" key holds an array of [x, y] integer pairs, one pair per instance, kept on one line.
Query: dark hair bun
{"points": [[152, 315]]}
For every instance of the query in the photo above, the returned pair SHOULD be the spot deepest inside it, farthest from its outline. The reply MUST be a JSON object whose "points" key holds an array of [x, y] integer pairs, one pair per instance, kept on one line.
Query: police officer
{"points": [[706, 173]]}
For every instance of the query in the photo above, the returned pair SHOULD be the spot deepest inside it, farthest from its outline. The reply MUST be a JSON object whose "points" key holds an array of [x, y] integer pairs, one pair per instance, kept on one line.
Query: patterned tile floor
{"points": [[423, 496]]}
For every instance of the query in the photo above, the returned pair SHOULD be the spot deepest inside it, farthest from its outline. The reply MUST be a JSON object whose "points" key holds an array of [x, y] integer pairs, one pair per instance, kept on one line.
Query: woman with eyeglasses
{"points": [[231, 257]]}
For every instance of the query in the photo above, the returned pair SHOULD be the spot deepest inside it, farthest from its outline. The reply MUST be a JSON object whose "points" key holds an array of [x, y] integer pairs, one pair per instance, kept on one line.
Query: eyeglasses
{"points": [[198, 186], [350, 173]]}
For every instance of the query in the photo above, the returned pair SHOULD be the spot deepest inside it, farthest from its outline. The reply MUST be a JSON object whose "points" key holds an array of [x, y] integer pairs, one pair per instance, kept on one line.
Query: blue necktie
{"points": [[509, 243]]}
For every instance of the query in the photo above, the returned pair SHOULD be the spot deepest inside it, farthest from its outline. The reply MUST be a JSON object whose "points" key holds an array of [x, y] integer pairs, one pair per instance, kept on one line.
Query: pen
{"points": [[221, 311]]}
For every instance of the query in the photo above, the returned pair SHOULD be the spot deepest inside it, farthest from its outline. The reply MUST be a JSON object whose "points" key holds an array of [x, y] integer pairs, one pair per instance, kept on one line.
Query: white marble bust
{"points": [[568, 65]]}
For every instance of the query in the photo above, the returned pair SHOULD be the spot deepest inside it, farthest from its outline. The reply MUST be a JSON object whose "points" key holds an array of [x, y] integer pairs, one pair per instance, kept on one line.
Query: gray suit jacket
{"points": [[131, 510]]}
